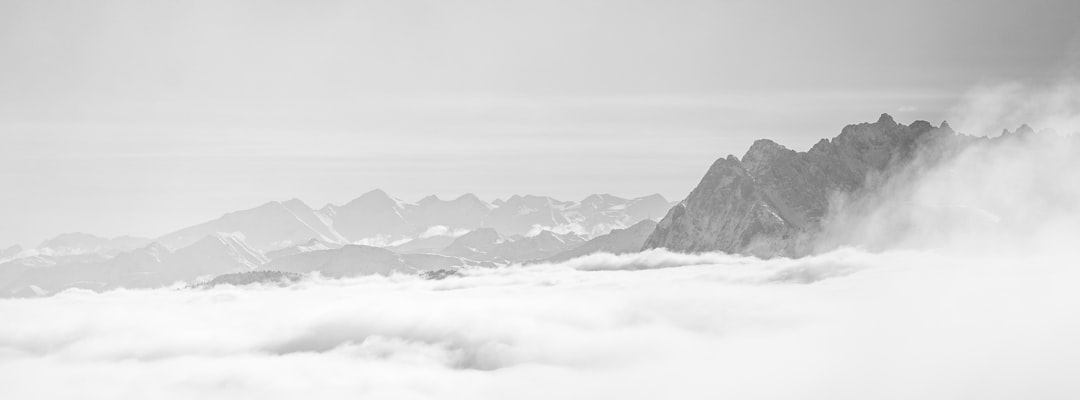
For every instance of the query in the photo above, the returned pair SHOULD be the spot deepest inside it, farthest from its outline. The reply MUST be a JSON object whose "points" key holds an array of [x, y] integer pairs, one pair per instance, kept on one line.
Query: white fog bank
{"points": [[843, 325]]}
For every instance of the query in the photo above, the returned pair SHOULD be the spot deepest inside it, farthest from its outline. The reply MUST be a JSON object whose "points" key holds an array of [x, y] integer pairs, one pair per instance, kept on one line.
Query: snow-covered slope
{"points": [[476, 245], [600, 213], [375, 218], [465, 212], [150, 266], [430, 244], [378, 218], [374, 214], [213, 255], [75, 243], [309, 246], [431, 233], [618, 241], [520, 215], [271, 226]]}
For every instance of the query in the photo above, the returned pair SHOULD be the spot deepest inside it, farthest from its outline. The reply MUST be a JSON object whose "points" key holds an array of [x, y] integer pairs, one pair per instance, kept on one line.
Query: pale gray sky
{"points": [[140, 117]]}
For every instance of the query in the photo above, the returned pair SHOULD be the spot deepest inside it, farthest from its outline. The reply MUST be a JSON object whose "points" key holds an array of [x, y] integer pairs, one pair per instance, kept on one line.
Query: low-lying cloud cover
{"points": [[847, 324]]}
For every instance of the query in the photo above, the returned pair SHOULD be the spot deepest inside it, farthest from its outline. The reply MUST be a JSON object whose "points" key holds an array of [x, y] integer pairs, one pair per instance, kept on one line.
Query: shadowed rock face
{"points": [[766, 203]]}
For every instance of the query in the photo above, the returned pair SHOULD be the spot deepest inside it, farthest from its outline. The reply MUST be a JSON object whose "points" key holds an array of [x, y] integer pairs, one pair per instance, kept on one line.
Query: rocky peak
{"points": [[376, 195], [73, 240], [468, 198], [429, 200], [921, 126], [764, 203], [295, 203], [763, 151]]}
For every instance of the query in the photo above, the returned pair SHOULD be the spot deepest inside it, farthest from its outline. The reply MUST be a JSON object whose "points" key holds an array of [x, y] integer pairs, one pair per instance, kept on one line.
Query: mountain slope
{"points": [[770, 200], [271, 226], [431, 244], [486, 244], [309, 246], [10, 252], [519, 215], [465, 212], [372, 214], [75, 243], [618, 241], [213, 255], [147, 267]]}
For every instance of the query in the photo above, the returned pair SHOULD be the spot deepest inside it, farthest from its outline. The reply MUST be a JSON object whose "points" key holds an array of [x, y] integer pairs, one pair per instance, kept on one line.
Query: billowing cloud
{"points": [[846, 324], [1014, 195]]}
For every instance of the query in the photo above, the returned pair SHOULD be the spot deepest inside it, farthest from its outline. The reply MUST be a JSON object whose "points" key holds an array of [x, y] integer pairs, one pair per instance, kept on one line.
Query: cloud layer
{"points": [[847, 324]]}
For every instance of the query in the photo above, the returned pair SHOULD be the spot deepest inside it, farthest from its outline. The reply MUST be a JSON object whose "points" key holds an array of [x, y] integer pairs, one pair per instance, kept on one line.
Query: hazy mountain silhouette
{"points": [[151, 266], [83, 243], [618, 241], [309, 246], [271, 226]]}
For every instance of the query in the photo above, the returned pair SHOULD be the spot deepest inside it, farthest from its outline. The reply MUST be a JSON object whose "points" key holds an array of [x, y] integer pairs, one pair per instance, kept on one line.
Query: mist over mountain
{"points": [[309, 246], [618, 241], [909, 242], [376, 218], [147, 267], [772, 201], [10, 252], [429, 234], [271, 226]]}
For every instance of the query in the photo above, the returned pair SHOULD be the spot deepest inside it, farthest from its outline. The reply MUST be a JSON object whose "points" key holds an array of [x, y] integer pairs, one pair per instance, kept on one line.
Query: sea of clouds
{"points": [[847, 324], [976, 298]]}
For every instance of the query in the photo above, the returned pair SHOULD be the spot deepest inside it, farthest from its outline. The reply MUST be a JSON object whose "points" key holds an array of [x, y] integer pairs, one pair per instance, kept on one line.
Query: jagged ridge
{"points": [[772, 199]]}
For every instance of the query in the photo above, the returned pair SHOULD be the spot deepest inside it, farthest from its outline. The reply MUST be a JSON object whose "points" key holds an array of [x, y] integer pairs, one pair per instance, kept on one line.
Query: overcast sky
{"points": [[141, 117]]}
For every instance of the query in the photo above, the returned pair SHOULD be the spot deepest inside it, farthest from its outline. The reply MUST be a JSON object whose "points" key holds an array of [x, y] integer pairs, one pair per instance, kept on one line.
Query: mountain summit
{"points": [[768, 201]]}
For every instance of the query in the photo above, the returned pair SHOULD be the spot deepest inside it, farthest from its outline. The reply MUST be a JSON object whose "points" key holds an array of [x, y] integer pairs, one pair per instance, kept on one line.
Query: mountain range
{"points": [[372, 234], [377, 219], [770, 202]]}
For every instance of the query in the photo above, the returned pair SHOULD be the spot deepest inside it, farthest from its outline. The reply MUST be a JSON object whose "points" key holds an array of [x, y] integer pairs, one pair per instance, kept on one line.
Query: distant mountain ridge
{"points": [[151, 266], [618, 241], [376, 218], [770, 202], [290, 236]]}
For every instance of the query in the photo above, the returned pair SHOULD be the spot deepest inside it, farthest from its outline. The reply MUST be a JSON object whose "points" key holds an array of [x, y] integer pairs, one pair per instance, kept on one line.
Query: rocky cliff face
{"points": [[769, 202]]}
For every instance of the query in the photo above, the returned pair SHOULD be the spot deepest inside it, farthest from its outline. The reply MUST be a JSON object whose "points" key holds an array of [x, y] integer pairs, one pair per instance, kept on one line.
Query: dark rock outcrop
{"points": [[773, 199]]}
